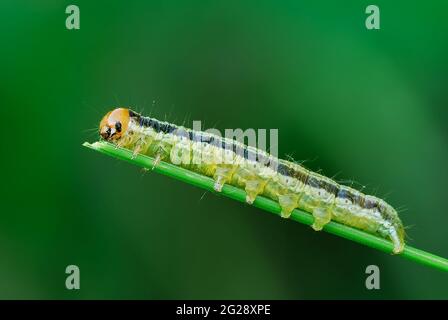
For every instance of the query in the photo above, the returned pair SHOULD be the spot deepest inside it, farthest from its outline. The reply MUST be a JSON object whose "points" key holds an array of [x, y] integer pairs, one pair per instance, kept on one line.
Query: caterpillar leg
{"points": [[160, 155], [222, 175], [288, 202], [120, 143], [398, 243], [253, 189], [140, 147], [157, 160], [321, 217]]}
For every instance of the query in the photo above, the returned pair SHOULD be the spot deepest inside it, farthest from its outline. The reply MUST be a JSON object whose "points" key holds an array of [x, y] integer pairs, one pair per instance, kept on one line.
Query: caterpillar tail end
{"points": [[397, 237], [393, 229], [398, 248]]}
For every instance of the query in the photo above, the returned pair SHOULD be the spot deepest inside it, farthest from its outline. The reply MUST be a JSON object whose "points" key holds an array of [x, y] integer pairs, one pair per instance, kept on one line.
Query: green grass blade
{"points": [[269, 205]]}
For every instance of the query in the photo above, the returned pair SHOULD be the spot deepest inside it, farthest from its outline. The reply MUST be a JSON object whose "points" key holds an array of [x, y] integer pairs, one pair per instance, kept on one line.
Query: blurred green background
{"points": [[369, 105]]}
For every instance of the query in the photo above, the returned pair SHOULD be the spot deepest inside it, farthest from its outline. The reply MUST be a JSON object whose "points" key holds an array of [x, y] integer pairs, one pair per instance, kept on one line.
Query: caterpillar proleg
{"points": [[257, 172]]}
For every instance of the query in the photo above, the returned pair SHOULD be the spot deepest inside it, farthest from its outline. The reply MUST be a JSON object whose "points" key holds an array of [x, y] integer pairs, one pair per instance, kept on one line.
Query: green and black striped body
{"points": [[259, 173]]}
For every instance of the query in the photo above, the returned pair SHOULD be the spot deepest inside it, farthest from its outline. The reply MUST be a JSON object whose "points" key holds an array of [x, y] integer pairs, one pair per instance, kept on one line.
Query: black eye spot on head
{"points": [[118, 126]]}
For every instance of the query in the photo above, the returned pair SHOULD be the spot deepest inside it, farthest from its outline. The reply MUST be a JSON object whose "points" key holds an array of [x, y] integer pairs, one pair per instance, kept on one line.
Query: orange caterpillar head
{"points": [[114, 124]]}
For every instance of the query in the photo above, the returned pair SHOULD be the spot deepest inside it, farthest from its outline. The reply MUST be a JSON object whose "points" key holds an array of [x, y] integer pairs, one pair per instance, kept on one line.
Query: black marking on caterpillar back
{"points": [[321, 196]]}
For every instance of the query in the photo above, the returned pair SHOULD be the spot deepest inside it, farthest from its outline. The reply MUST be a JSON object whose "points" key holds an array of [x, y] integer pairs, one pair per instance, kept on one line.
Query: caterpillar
{"points": [[257, 172]]}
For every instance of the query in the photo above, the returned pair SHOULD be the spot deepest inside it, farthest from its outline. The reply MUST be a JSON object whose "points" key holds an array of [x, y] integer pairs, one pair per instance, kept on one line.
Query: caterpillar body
{"points": [[288, 183]]}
